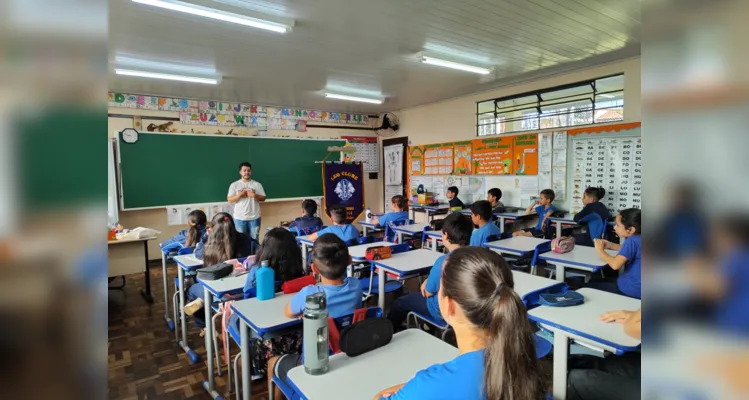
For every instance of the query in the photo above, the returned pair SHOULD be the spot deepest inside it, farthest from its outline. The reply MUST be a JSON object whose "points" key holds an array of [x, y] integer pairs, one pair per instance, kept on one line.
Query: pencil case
{"points": [[566, 299]]}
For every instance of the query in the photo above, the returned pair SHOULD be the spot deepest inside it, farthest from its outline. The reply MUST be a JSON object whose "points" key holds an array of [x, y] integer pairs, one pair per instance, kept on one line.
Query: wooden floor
{"points": [[144, 360]]}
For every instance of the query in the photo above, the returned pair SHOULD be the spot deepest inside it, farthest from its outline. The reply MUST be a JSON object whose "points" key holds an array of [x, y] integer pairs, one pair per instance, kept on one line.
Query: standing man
{"points": [[246, 196]]}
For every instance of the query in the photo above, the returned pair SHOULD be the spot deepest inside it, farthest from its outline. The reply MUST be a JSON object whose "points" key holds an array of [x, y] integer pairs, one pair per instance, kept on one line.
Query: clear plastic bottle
{"points": [[315, 330]]}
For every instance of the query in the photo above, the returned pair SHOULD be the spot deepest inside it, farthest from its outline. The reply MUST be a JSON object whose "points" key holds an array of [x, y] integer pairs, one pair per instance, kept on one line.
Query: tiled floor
{"points": [[144, 360]]}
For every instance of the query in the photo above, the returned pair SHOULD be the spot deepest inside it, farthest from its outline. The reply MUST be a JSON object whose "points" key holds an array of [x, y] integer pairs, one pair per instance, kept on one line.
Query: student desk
{"points": [[403, 264], [305, 242], [581, 257], [397, 362], [357, 252], [408, 230], [529, 286], [217, 288], [365, 226], [565, 219], [504, 217], [516, 245], [124, 258], [187, 262], [433, 236], [581, 323], [433, 210], [262, 317]]}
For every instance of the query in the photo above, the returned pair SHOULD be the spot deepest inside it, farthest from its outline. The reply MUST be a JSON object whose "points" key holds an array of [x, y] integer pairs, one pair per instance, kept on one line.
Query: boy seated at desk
{"points": [[343, 295], [452, 195], [456, 233], [544, 209], [493, 195], [481, 216], [308, 222], [399, 212], [340, 228]]}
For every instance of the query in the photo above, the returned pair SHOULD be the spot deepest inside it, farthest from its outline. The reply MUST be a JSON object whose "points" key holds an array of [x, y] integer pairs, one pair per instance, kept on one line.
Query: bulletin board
{"points": [[525, 154], [493, 156], [438, 159], [462, 155], [415, 160]]}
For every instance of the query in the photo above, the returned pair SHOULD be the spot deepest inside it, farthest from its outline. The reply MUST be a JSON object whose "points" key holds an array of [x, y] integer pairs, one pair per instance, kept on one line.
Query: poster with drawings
{"points": [[612, 163], [394, 164]]}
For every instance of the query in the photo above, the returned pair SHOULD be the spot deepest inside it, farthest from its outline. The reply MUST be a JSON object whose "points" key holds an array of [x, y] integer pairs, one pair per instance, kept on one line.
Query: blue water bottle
{"points": [[266, 281]]}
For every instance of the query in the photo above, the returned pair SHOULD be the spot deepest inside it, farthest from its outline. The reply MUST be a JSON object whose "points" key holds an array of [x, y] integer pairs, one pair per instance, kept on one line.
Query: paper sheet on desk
{"points": [[139, 233]]}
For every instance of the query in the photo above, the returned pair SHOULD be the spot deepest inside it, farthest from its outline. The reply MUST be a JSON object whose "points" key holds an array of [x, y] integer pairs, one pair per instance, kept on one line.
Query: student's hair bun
{"points": [[601, 193], [597, 192]]}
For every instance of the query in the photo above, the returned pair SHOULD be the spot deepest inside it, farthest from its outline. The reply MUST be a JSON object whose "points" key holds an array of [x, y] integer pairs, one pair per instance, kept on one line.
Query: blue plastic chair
{"points": [[440, 325], [389, 228], [367, 284], [543, 346]]}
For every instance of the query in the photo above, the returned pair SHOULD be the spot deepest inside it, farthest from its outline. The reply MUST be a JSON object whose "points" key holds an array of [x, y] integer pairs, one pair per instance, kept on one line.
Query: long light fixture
{"points": [[207, 12], [452, 64], [352, 98], [172, 77]]}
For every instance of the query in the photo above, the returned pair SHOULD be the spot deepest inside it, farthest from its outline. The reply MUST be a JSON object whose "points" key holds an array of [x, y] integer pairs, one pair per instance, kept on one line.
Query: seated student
{"points": [[629, 257], [452, 195], [497, 356], [593, 205], [481, 216], [544, 209], [615, 378], [343, 295], [456, 232], [308, 222], [340, 228], [399, 212], [493, 195], [196, 228], [224, 243], [725, 286]]}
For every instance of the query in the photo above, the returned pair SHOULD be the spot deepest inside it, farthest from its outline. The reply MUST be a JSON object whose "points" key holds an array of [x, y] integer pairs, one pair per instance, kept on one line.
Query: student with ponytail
{"points": [[593, 205], [398, 212], [196, 227], [497, 359]]}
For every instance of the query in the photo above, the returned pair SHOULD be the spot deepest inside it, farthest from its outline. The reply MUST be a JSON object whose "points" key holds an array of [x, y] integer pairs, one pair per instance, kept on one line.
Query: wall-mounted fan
{"points": [[387, 125]]}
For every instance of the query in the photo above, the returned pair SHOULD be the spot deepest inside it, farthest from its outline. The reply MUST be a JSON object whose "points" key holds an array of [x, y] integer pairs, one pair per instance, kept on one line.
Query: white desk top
{"points": [[522, 244], [409, 352], [581, 256], [304, 239], [581, 322], [409, 262], [128, 240], [442, 206], [357, 252], [265, 316], [188, 261], [413, 228], [566, 218], [437, 234], [364, 222], [220, 287], [514, 214], [526, 283]]}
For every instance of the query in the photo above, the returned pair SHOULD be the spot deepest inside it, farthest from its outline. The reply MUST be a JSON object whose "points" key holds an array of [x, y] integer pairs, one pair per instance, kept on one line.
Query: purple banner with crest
{"points": [[343, 183]]}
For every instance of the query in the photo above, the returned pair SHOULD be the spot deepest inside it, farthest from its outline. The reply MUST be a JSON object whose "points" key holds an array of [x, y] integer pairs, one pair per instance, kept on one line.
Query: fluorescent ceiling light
{"points": [[352, 98], [172, 77], [454, 65], [193, 9]]}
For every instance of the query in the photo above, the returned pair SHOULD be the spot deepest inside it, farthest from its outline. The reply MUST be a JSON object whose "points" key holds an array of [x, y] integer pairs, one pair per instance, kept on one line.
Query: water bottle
{"points": [[266, 281], [315, 330], [368, 214]]}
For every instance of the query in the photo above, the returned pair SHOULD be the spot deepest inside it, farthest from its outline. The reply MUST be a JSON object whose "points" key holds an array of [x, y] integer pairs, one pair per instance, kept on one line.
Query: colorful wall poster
{"points": [[366, 151], [438, 159], [525, 154], [462, 156], [493, 156], [415, 160]]}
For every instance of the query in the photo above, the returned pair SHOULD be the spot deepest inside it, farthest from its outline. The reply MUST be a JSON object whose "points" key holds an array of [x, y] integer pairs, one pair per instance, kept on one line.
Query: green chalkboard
{"points": [[168, 169]]}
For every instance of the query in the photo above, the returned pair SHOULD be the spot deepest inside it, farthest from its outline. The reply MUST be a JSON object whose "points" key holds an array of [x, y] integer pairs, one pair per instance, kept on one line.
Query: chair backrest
{"points": [[540, 249], [596, 225], [343, 322], [491, 238], [399, 248], [185, 250], [436, 224], [389, 234], [365, 239]]}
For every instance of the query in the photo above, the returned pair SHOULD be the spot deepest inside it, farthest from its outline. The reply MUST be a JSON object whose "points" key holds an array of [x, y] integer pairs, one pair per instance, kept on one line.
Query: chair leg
{"points": [[444, 333], [228, 362], [215, 343], [236, 375], [176, 320], [270, 388]]}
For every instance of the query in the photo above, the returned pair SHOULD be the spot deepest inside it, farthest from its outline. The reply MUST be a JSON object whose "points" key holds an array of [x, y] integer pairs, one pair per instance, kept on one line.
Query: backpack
{"points": [[562, 244]]}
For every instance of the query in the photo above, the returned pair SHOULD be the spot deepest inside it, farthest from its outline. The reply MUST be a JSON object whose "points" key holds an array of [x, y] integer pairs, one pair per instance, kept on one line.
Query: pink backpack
{"points": [[562, 245]]}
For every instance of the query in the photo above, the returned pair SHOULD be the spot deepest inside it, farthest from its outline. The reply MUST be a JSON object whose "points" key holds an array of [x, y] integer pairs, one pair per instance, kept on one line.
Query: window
{"points": [[590, 102]]}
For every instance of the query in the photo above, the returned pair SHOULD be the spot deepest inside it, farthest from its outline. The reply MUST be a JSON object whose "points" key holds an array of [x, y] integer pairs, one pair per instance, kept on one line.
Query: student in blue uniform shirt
{"points": [[340, 228], [544, 209], [628, 228], [592, 201], [497, 356], [196, 228], [452, 195], [456, 232], [308, 222], [481, 215], [399, 212], [343, 295], [283, 254]]}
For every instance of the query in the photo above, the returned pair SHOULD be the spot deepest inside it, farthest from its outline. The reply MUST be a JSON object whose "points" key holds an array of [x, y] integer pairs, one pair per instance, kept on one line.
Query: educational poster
{"points": [[559, 165], [492, 156], [612, 163], [438, 159], [423, 183], [366, 151], [462, 154], [415, 160], [177, 215], [525, 154], [394, 164]]}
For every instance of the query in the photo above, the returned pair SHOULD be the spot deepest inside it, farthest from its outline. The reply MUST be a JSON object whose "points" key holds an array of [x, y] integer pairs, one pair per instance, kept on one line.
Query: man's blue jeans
{"points": [[251, 227]]}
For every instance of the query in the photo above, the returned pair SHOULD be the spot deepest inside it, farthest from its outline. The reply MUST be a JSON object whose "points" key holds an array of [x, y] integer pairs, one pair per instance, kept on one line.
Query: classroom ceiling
{"points": [[367, 48]]}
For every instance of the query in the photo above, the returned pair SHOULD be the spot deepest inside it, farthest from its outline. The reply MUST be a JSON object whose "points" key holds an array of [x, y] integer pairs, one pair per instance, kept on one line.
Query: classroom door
{"points": [[395, 175]]}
